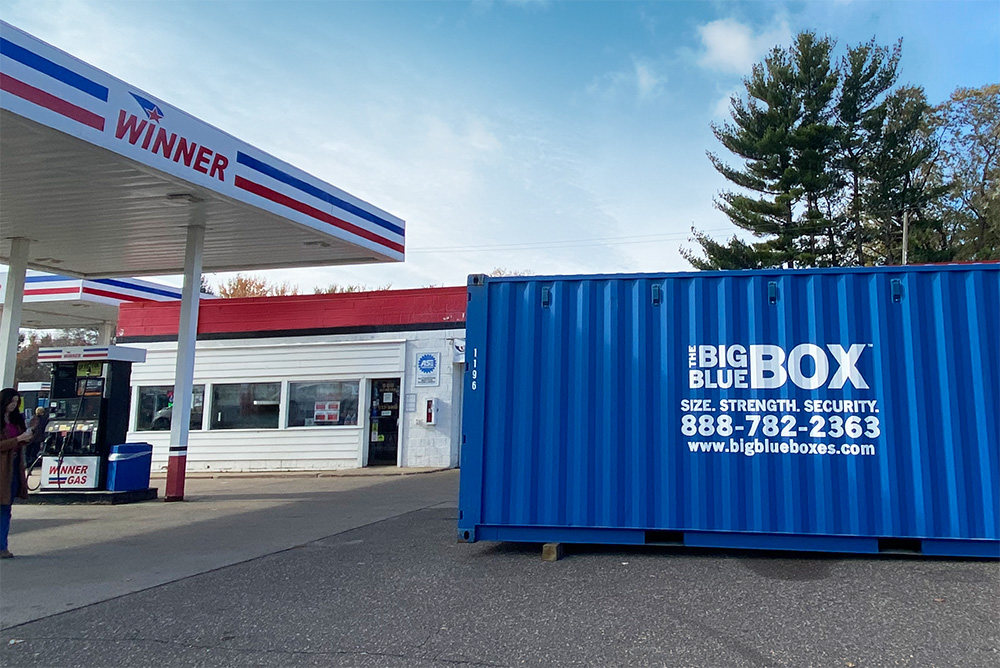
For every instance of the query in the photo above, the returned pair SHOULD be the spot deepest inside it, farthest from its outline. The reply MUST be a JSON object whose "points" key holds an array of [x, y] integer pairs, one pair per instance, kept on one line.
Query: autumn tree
{"points": [[504, 271], [335, 288], [243, 285], [969, 168], [28, 367]]}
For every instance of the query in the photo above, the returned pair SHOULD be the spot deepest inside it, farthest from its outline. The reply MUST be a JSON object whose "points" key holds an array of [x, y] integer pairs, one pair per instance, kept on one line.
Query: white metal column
{"points": [[12, 303], [106, 334], [187, 332]]}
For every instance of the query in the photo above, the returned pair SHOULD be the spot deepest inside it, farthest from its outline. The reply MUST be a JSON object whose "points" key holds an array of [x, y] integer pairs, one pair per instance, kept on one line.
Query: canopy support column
{"points": [[187, 334], [106, 334], [12, 303]]}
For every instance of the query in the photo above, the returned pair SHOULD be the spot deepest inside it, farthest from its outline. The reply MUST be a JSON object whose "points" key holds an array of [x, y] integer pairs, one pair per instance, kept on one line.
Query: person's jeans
{"points": [[4, 526], [15, 487]]}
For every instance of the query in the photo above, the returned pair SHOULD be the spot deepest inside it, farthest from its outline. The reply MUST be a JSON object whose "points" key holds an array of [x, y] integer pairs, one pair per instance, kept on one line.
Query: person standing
{"points": [[37, 427], [13, 481]]}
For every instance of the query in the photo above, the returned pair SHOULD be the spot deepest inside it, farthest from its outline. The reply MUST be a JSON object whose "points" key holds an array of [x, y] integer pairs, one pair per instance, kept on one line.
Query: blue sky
{"points": [[553, 137]]}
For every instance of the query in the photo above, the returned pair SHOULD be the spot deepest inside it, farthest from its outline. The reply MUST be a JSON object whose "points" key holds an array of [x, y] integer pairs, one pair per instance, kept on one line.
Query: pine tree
{"points": [[900, 179], [733, 254], [814, 141], [834, 159], [785, 135], [868, 71]]}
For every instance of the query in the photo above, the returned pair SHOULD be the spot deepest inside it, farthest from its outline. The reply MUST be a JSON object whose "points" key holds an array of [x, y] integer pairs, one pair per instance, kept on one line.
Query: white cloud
{"points": [[643, 80], [720, 110], [648, 21], [480, 184], [733, 47], [482, 6], [648, 81], [97, 37]]}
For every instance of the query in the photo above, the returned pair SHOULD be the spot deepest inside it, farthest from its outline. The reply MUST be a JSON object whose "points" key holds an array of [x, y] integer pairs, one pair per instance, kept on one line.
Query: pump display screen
{"points": [[63, 381], [89, 387]]}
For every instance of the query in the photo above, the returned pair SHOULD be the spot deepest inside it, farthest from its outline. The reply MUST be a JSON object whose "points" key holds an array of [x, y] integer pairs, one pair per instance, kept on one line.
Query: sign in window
{"points": [[321, 404]]}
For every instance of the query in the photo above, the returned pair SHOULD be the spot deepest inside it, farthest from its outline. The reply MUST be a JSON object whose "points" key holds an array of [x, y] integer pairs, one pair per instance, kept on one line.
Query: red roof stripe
{"points": [[389, 308], [313, 212], [116, 295], [51, 102]]}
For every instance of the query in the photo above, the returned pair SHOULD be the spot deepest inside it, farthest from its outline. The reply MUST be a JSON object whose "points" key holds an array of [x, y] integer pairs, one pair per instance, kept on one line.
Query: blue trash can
{"points": [[128, 467]]}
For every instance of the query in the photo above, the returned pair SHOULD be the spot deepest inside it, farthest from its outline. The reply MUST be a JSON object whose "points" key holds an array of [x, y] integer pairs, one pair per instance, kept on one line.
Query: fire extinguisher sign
{"points": [[428, 371]]}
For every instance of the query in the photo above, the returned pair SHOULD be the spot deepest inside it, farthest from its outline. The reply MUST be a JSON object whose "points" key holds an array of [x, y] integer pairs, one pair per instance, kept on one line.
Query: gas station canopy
{"points": [[62, 302], [101, 177]]}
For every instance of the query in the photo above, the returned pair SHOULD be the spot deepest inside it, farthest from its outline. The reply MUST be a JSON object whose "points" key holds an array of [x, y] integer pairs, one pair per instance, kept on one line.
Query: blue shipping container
{"points": [[853, 410]]}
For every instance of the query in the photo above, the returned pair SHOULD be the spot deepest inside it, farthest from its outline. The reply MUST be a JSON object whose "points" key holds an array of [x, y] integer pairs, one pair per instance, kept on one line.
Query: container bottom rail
{"points": [[938, 547]]}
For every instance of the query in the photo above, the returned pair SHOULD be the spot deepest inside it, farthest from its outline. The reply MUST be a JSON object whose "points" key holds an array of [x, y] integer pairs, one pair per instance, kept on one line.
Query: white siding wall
{"points": [[433, 445], [289, 359]]}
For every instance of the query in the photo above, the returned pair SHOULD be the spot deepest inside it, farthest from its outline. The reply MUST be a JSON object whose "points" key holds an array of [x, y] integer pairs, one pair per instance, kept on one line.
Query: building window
{"points": [[245, 405], [156, 404], [323, 404]]}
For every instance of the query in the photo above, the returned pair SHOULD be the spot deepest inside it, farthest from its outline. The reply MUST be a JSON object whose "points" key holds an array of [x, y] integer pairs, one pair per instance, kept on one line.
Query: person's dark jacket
{"points": [[8, 448]]}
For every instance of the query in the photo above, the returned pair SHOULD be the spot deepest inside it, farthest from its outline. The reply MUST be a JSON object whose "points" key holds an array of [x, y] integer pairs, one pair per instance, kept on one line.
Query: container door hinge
{"points": [[546, 297], [656, 294]]}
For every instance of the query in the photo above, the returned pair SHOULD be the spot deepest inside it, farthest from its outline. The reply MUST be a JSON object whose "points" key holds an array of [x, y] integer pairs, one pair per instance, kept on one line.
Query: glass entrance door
{"points": [[383, 422]]}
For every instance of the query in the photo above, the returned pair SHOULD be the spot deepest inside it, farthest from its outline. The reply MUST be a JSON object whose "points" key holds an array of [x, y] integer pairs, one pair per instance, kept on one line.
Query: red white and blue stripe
{"points": [[43, 287], [59, 354], [318, 201], [48, 86], [64, 91]]}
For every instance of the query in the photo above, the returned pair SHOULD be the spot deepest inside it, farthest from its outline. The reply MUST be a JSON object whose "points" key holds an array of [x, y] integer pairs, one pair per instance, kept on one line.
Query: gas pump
{"points": [[33, 395], [89, 400]]}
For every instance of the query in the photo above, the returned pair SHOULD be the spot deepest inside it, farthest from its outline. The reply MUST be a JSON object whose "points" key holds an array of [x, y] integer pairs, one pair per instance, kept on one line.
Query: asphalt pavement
{"points": [[70, 556], [398, 590]]}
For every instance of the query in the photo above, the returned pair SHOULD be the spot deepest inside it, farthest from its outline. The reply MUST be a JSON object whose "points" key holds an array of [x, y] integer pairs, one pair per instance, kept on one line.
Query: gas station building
{"points": [[307, 382]]}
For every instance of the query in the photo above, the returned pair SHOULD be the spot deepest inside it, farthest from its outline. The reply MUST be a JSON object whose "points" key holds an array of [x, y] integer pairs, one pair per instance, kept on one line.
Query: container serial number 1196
{"points": [[475, 369]]}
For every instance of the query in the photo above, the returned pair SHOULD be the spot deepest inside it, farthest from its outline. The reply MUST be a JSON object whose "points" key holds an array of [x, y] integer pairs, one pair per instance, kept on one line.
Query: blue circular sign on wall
{"points": [[426, 363]]}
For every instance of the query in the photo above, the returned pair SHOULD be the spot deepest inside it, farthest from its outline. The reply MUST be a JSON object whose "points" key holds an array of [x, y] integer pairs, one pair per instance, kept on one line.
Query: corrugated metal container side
{"points": [[832, 409]]}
